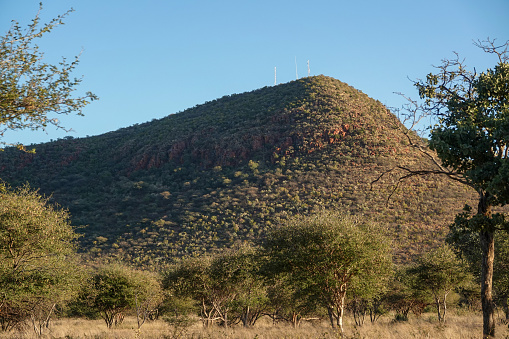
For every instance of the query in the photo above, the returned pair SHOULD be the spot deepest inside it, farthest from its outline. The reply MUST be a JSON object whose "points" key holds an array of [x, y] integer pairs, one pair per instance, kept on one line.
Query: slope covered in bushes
{"points": [[227, 170]]}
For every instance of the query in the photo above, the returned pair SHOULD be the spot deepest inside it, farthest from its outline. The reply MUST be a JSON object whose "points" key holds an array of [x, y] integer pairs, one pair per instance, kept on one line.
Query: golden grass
{"points": [[457, 327]]}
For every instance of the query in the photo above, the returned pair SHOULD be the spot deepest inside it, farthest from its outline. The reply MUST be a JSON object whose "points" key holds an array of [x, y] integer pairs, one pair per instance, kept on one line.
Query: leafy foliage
{"points": [[38, 263], [113, 289], [327, 252], [225, 287], [439, 272], [403, 296], [30, 89]]}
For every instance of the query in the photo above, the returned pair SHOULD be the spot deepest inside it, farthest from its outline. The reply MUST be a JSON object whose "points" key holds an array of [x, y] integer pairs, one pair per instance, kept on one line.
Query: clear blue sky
{"points": [[148, 59]]}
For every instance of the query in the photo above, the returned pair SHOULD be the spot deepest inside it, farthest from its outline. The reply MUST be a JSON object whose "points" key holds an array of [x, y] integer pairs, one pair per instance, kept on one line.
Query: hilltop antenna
{"points": [[308, 69], [275, 78], [296, 73]]}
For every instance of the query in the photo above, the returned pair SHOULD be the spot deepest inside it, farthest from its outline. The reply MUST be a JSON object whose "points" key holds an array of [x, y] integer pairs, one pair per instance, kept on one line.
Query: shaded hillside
{"points": [[227, 170]]}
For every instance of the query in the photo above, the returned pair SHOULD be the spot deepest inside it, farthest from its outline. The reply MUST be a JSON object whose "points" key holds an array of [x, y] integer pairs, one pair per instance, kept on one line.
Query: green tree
{"points": [[289, 299], [224, 285], [148, 294], [439, 272], [326, 251], [38, 260], [32, 91], [472, 141], [241, 267], [501, 272], [470, 137], [188, 279], [367, 297], [114, 289], [403, 296]]}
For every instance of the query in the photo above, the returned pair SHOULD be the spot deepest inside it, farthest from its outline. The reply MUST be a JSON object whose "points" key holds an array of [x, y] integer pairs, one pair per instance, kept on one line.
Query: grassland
{"points": [[459, 326]]}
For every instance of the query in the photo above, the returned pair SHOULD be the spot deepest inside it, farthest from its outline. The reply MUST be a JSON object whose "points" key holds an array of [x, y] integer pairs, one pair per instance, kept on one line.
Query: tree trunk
{"points": [[445, 307], [374, 310], [245, 316], [437, 302], [488, 256], [487, 240], [295, 319], [330, 310], [341, 312]]}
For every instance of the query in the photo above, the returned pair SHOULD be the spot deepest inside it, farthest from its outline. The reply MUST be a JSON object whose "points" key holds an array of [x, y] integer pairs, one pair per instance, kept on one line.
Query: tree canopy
{"points": [[326, 251], [439, 272]]}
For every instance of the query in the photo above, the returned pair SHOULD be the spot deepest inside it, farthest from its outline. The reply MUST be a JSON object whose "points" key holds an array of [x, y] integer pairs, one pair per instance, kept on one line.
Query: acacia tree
{"points": [[289, 300], [148, 294], [240, 266], [109, 292], [439, 272], [403, 296], [224, 285], [188, 279], [31, 90], [38, 261], [325, 252], [367, 296], [471, 140], [114, 288]]}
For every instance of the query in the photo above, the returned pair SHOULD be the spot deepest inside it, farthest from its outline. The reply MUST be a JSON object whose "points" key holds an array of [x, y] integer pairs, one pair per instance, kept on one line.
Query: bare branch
{"points": [[489, 46]]}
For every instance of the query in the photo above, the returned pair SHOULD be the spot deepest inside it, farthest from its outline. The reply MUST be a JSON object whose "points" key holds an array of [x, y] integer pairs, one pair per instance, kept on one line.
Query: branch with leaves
{"points": [[31, 90]]}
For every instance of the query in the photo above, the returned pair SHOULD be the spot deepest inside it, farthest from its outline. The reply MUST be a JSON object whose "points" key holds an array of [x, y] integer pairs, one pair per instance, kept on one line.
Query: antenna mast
{"points": [[308, 68], [296, 73], [275, 79]]}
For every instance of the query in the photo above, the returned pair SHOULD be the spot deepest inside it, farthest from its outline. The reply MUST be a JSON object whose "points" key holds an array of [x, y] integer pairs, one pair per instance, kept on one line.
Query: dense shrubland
{"points": [[226, 171]]}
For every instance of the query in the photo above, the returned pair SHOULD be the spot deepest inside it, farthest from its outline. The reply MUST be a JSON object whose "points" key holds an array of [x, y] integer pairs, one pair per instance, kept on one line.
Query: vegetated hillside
{"points": [[225, 171]]}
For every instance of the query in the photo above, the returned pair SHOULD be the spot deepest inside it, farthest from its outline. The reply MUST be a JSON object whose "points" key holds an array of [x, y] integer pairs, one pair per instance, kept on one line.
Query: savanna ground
{"points": [[459, 325]]}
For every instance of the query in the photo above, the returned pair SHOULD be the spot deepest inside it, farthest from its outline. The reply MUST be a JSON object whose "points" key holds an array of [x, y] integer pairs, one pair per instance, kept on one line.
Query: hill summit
{"points": [[226, 170]]}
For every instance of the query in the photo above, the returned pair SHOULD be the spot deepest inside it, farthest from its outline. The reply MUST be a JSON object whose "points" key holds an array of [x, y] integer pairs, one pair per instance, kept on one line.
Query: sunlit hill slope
{"points": [[227, 170]]}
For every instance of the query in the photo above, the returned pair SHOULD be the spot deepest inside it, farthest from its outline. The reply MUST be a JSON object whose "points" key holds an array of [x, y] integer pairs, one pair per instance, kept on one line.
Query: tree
{"points": [[148, 295], [188, 279], [38, 261], [240, 266], [324, 252], [403, 296], [31, 91], [114, 288], [224, 285], [289, 300], [501, 272], [439, 272], [367, 296], [110, 292], [471, 139]]}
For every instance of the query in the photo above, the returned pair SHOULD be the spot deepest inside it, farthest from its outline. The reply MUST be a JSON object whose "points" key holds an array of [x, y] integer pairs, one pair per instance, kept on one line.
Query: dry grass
{"points": [[458, 326]]}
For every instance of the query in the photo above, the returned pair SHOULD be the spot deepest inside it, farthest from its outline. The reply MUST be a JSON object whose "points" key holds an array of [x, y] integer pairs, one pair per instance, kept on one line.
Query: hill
{"points": [[226, 170]]}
